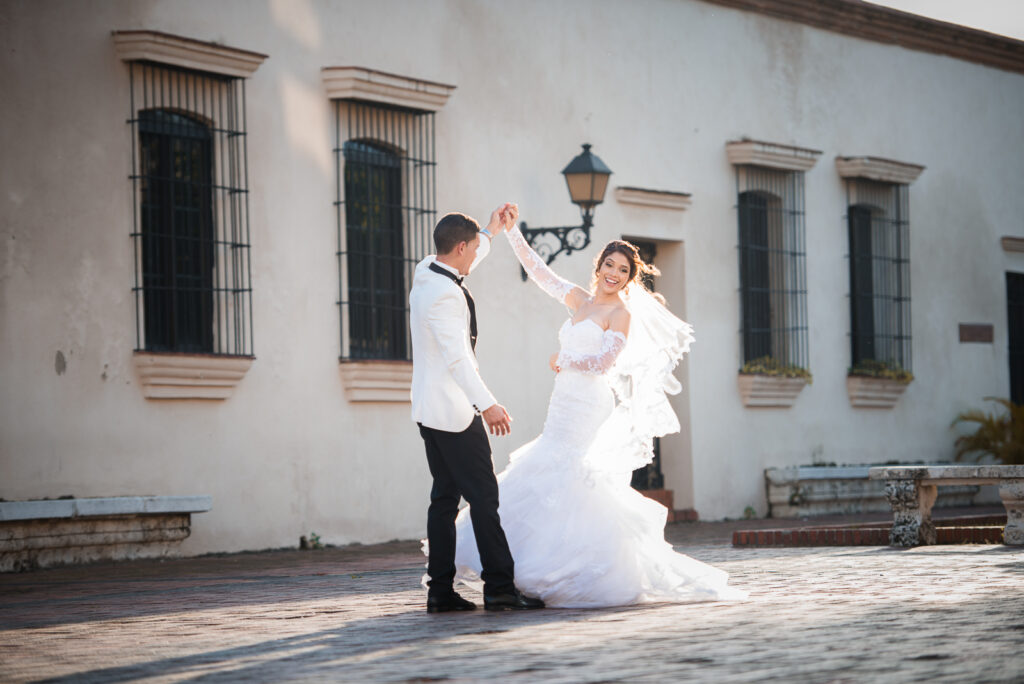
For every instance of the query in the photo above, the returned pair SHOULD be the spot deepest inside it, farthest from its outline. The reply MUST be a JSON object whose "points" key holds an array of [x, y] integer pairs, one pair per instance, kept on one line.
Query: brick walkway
{"points": [[847, 614]]}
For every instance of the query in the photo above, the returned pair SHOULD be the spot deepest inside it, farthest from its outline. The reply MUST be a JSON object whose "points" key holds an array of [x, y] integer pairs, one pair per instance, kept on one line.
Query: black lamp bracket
{"points": [[550, 242]]}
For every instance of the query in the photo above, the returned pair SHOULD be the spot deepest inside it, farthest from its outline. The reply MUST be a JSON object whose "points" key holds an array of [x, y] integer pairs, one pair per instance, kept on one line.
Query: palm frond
{"points": [[1000, 435]]}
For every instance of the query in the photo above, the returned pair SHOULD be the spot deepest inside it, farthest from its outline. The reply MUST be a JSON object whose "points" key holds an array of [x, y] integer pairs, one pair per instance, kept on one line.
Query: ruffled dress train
{"points": [[580, 535]]}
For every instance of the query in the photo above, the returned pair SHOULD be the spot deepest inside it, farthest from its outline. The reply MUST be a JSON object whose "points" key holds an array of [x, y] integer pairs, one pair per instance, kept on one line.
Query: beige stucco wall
{"points": [[657, 87]]}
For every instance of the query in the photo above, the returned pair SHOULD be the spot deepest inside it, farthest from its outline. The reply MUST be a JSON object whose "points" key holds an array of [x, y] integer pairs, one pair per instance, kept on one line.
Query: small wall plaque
{"points": [[976, 332], [1012, 244]]}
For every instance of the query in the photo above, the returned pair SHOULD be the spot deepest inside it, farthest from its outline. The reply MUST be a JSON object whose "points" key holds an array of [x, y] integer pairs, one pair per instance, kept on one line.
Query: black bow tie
{"points": [[469, 300]]}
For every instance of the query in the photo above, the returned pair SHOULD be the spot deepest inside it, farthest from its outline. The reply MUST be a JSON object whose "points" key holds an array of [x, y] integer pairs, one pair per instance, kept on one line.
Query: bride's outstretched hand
{"points": [[553, 362], [511, 215]]}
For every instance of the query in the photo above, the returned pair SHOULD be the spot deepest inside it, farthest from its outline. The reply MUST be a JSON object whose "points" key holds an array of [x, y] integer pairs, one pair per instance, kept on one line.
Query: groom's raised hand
{"points": [[497, 222], [498, 420]]}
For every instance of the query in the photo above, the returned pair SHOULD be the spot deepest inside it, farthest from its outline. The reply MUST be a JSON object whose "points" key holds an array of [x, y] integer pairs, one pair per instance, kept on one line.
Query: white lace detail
{"points": [[597, 363], [539, 272]]}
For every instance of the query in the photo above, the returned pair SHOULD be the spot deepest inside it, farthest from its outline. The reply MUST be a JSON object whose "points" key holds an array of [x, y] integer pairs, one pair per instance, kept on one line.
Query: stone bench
{"points": [[911, 491], [36, 534], [805, 491]]}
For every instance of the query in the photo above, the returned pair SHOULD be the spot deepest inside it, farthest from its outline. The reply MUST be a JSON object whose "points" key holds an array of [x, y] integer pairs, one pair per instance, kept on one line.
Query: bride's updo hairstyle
{"points": [[637, 267]]}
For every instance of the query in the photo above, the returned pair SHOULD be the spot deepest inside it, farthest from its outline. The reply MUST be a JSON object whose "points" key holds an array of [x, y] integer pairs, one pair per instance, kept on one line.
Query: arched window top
{"points": [[763, 195], [874, 210], [374, 152], [174, 122]]}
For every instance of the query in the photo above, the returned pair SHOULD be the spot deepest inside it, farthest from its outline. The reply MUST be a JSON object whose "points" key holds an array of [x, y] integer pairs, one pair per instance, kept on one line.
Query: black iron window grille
{"points": [[879, 244], [191, 221], [773, 268], [386, 175]]}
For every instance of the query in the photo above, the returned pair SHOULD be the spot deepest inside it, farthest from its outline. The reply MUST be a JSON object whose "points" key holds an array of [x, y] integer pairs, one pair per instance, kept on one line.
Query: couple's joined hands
{"points": [[503, 218]]}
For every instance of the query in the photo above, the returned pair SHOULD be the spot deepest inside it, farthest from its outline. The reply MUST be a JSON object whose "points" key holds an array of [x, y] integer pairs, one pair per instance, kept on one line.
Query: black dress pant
{"points": [[460, 463]]}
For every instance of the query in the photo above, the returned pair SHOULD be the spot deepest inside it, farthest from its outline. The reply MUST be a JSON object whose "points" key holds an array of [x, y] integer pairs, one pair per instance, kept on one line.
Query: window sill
{"points": [[769, 391], [377, 381], [868, 392], [189, 376]]}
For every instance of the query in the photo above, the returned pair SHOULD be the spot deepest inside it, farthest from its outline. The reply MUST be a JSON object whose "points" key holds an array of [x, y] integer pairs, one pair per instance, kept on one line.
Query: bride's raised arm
{"points": [[553, 284]]}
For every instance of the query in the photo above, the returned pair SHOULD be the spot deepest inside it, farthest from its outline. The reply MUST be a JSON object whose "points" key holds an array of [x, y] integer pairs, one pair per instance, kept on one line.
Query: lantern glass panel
{"points": [[579, 187], [600, 185], [586, 189]]}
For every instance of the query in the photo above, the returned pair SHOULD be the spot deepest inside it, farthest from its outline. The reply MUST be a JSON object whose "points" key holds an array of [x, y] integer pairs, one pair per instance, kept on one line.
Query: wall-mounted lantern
{"points": [[586, 176]]}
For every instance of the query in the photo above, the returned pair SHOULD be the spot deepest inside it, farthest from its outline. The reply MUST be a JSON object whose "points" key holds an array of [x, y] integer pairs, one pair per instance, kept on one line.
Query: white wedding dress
{"points": [[580, 535]]}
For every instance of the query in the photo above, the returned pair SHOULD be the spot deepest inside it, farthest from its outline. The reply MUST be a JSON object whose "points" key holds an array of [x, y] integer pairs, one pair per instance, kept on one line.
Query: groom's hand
{"points": [[498, 420], [498, 220]]}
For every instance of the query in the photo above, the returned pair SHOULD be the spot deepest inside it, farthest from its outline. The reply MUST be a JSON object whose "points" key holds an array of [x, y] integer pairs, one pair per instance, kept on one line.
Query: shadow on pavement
{"points": [[919, 640], [315, 655]]}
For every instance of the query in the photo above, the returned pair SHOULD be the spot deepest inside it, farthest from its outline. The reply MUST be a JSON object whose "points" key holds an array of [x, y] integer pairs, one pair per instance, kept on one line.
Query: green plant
{"points": [[870, 368], [314, 541], [998, 435], [766, 365]]}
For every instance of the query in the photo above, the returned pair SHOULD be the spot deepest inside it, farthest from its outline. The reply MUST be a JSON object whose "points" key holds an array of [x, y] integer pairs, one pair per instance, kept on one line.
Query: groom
{"points": [[450, 403]]}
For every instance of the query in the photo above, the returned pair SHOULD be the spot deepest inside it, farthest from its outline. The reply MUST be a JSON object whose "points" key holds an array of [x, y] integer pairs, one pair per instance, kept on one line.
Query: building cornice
{"points": [[876, 168], [771, 155], [370, 85], [663, 199], [892, 27], [189, 53]]}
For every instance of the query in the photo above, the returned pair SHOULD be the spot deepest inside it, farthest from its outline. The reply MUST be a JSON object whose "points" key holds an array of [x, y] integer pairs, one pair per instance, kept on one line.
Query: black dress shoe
{"points": [[514, 600], [447, 603]]}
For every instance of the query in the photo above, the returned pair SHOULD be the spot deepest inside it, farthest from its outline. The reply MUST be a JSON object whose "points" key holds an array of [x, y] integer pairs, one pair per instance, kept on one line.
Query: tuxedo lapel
{"points": [[469, 300]]}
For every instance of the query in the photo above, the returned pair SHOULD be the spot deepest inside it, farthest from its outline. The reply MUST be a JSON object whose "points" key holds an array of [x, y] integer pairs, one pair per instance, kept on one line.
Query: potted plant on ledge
{"points": [[768, 382], [876, 384]]}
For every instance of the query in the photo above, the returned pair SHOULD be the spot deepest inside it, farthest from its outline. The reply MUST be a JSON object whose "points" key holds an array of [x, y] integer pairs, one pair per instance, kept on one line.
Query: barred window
{"points": [[192, 283], [877, 219], [385, 213], [772, 261]]}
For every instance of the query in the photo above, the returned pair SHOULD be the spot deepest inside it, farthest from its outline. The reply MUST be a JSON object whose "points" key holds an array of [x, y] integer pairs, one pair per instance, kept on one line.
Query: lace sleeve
{"points": [[595, 364], [546, 279]]}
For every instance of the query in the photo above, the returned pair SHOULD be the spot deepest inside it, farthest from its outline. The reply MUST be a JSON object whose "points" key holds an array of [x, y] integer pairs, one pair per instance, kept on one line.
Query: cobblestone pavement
{"points": [[853, 614]]}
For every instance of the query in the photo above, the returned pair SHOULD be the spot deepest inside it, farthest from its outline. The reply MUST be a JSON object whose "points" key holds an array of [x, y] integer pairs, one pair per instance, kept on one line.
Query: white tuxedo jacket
{"points": [[447, 390]]}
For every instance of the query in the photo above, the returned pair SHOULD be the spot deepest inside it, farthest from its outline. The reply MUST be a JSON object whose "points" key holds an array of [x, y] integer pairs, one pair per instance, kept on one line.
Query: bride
{"points": [[582, 537]]}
